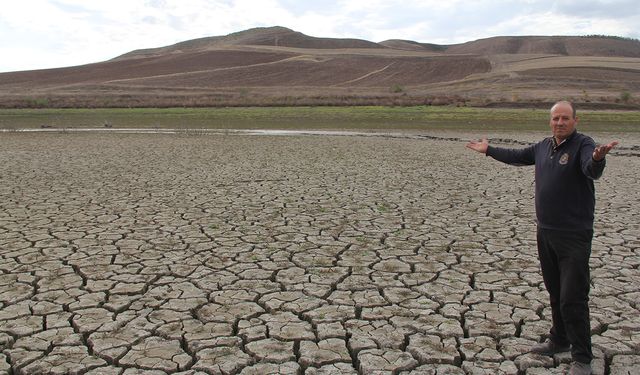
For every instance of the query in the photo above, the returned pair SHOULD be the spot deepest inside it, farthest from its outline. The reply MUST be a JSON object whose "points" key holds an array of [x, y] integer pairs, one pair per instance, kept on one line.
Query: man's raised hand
{"points": [[602, 150], [480, 145]]}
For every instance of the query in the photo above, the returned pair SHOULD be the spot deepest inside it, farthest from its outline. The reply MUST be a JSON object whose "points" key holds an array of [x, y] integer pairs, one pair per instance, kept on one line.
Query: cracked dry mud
{"points": [[235, 254]]}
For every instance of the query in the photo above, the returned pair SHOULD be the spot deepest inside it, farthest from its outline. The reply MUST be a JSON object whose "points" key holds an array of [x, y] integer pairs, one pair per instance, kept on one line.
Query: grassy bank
{"points": [[349, 118]]}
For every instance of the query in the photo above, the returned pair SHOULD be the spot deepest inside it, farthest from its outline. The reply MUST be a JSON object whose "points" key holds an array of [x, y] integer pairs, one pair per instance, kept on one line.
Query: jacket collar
{"points": [[569, 138]]}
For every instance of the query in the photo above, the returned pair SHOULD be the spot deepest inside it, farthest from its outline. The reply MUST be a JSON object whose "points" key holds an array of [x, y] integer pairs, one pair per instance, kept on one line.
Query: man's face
{"points": [[562, 121]]}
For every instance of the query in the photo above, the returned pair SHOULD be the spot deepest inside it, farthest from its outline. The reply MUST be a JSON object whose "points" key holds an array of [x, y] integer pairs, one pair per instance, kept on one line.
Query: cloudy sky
{"points": [[37, 34]]}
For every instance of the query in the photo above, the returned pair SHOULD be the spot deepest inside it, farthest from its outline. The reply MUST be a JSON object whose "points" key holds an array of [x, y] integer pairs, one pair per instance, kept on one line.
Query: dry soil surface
{"points": [[297, 254]]}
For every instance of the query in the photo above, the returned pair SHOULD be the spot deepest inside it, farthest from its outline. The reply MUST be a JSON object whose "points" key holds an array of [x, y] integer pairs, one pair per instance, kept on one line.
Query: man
{"points": [[565, 166]]}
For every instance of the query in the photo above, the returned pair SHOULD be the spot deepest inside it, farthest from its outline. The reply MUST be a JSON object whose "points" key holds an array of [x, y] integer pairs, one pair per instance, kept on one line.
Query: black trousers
{"points": [[564, 259]]}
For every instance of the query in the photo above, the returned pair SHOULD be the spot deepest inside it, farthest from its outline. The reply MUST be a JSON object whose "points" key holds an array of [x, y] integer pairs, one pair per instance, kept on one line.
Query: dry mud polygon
{"points": [[238, 254]]}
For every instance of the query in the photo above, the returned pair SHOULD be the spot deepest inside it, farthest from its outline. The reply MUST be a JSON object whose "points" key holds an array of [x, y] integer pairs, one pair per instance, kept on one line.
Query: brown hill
{"points": [[545, 45], [275, 66], [551, 45], [264, 36], [410, 45]]}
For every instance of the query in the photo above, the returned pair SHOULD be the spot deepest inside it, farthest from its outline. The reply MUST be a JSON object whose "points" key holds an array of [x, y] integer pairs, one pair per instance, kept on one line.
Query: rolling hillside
{"points": [[279, 66]]}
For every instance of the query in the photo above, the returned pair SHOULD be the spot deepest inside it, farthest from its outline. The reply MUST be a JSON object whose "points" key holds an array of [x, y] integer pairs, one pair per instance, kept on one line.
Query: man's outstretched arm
{"points": [[524, 156], [593, 162]]}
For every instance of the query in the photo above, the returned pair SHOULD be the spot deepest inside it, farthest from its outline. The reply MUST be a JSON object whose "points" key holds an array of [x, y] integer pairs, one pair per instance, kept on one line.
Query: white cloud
{"points": [[598, 8], [52, 33], [551, 23]]}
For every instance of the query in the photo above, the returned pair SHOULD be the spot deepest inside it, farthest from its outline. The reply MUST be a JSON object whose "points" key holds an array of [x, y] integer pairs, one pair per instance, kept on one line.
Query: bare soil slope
{"points": [[272, 66], [551, 45]]}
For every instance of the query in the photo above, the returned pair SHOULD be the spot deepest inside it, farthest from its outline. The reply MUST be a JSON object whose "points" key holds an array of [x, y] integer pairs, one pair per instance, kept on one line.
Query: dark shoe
{"points": [[549, 348], [579, 368]]}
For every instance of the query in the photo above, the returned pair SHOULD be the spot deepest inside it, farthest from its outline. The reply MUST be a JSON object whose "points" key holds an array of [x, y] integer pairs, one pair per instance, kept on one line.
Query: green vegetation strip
{"points": [[344, 118]]}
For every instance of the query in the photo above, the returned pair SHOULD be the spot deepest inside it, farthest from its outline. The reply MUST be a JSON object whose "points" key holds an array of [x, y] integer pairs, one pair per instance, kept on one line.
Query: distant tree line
{"points": [[610, 37]]}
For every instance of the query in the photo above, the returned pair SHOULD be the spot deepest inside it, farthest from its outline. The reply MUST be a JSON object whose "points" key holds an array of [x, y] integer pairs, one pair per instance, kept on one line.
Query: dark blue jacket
{"points": [[565, 195]]}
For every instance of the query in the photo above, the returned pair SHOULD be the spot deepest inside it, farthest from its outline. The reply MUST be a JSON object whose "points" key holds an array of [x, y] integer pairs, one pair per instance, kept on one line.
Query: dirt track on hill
{"points": [[206, 254]]}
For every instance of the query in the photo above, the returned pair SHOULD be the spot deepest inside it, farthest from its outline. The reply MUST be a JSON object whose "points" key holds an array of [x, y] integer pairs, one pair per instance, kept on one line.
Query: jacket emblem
{"points": [[564, 159]]}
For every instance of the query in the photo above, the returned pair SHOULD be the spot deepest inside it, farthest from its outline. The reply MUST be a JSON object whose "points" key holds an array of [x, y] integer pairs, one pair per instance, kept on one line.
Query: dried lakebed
{"points": [[198, 253]]}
